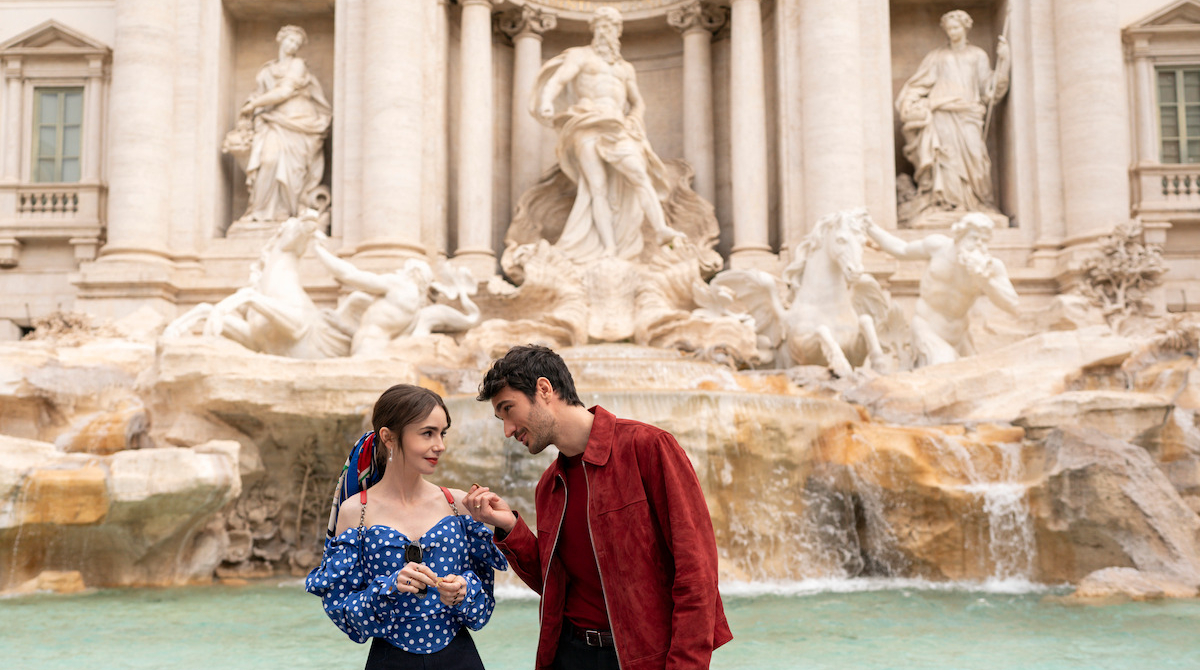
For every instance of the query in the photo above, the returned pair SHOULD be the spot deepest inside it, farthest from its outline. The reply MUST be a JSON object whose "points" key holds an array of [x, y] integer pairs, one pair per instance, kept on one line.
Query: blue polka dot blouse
{"points": [[355, 582]]}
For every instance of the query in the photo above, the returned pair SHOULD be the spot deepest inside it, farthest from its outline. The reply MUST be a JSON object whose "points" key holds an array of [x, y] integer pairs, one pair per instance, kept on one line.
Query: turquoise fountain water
{"points": [[861, 624]]}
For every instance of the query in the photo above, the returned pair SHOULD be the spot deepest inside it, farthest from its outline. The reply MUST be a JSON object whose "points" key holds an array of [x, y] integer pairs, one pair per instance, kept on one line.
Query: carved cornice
{"points": [[525, 21], [698, 15]]}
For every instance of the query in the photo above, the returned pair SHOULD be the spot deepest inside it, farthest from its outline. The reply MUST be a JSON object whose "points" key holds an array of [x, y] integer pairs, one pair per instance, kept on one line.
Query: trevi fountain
{"points": [[883, 268]]}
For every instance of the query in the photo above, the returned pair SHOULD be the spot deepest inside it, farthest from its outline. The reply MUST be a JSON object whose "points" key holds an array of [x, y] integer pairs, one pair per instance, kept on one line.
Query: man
{"points": [[602, 146], [398, 303], [624, 556], [960, 271]]}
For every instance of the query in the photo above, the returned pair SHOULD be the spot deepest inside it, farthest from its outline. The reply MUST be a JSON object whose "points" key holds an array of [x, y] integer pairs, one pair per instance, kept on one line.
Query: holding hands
{"points": [[487, 507]]}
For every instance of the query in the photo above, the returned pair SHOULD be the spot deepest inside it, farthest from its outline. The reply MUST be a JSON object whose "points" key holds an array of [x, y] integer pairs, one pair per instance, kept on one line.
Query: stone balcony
{"points": [[70, 213], [1167, 193]]}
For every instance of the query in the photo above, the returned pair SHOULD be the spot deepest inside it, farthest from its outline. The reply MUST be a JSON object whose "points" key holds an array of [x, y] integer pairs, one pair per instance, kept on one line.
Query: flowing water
{"points": [[861, 624]]}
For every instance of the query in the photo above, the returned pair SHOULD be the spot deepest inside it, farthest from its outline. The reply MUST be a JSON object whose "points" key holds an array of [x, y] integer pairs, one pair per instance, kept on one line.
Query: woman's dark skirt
{"points": [[460, 654]]}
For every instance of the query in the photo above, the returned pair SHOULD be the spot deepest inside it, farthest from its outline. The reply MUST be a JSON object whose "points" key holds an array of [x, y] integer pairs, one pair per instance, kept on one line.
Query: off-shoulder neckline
{"points": [[419, 539]]}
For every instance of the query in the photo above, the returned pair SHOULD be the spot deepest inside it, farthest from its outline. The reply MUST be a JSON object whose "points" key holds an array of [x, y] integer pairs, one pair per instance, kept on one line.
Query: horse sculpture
{"points": [[834, 305], [274, 315]]}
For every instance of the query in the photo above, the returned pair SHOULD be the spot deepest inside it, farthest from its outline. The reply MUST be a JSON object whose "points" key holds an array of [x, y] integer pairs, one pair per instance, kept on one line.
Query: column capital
{"points": [[468, 3], [526, 21], [697, 15], [12, 66]]}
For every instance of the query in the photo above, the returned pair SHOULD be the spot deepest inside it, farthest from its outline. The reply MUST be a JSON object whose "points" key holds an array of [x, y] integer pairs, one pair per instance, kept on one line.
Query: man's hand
{"points": [[487, 507], [546, 111]]}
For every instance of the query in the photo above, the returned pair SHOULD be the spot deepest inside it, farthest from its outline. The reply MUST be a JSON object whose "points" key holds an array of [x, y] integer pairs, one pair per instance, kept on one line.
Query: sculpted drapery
{"points": [[290, 117], [617, 137], [942, 108]]}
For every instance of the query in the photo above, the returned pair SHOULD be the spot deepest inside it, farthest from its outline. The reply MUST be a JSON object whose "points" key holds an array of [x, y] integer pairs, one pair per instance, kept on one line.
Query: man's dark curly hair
{"points": [[520, 369]]}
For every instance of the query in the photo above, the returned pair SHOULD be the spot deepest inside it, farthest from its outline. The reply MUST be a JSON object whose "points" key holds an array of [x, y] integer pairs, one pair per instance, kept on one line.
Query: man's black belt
{"points": [[593, 638]]}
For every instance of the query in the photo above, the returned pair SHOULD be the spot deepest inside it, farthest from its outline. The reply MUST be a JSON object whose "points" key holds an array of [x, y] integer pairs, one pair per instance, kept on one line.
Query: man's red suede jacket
{"points": [[654, 545]]}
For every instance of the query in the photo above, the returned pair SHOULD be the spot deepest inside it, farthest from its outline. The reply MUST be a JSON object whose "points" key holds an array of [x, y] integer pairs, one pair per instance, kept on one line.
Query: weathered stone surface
{"points": [[995, 385], [1129, 583], [912, 501], [1103, 503], [53, 581], [133, 518], [1130, 417], [63, 497]]}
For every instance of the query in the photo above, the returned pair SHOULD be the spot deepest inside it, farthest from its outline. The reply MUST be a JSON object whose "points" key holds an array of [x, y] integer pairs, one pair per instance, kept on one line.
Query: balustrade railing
{"points": [[1167, 189], [47, 203]]}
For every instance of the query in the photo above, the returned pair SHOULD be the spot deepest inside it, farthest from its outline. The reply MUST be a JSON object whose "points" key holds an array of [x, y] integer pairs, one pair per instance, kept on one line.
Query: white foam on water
{"points": [[817, 586]]}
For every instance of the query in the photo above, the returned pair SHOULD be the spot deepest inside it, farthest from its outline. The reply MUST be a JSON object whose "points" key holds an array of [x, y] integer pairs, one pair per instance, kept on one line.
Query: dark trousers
{"points": [[460, 654], [575, 654]]}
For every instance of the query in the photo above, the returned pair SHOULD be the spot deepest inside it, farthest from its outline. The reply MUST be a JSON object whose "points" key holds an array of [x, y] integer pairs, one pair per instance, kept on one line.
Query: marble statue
{"points": [[274, 314], [280, 135], [385, 306], [944, 109], [589, 95], [834, 308], [960, 271]]}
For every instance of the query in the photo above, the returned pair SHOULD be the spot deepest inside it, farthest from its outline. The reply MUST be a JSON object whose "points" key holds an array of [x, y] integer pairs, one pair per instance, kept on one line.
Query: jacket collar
{"points": [[599, 444]]}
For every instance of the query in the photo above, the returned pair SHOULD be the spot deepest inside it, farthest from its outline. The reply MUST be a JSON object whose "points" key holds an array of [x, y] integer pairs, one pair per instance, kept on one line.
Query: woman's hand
{"points": [[412, 578], [487, 507], [452, 589]]}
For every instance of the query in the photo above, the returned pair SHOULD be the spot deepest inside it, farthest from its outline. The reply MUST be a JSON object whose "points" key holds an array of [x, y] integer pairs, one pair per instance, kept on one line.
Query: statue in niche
{"points": [[386, 306], [944, 110], [279, 138], [274, 314], [960, 271], [608, 246], [589, 95], [828, 311]]}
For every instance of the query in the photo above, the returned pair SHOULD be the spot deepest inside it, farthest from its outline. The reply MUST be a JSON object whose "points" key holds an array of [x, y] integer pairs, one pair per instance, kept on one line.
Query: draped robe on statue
{"points": [[947, 148], [618, 136], [286, 158]]}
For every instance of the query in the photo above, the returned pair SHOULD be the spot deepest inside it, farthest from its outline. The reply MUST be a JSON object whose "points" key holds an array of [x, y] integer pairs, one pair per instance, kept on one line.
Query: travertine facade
{"points": [[783, 108]]}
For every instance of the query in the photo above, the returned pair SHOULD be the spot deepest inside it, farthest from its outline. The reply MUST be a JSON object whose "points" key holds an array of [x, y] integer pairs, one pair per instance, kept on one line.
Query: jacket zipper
{"points": [[603, 588], [554, 548]]}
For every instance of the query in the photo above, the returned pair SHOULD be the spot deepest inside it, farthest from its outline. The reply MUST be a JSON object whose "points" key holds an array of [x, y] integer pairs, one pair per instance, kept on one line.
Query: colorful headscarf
{"points": [[362, 460]]}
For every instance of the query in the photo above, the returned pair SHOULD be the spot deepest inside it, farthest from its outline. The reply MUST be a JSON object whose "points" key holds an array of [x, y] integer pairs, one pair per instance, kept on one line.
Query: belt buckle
{"points": [[593, 638]]}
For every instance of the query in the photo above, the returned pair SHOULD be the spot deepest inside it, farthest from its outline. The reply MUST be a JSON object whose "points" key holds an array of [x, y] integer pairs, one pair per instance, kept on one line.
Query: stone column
{"points": [[525, 27], [476, 142], [1145, 97], [12, 123], [141, 111], [748, 119], [1092, 125], [92, 105], [697, 21], [392, 126], [135, 268], [831, 109]]}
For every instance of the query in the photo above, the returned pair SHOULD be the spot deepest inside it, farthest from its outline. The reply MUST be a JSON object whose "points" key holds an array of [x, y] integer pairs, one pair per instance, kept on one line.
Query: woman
{"points": [[400, 564]]}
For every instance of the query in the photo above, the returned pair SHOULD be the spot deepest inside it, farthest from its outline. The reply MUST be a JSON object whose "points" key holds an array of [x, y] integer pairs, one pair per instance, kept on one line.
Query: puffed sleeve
{"points": [[356, 604], [483, 557]]}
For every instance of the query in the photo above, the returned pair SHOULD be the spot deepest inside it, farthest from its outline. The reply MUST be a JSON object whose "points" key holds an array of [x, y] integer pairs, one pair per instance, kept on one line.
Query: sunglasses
{"points": [[414, 554]]}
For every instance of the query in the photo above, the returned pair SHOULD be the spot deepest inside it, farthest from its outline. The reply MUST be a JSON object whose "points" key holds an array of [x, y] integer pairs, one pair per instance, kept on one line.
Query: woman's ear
{"points": [[389, 439]]}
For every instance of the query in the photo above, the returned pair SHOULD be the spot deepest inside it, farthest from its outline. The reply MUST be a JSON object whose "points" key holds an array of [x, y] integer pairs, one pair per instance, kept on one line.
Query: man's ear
{"points": [[544, 389]]}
